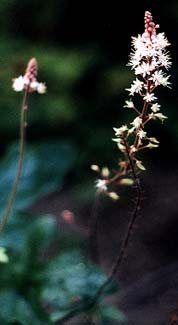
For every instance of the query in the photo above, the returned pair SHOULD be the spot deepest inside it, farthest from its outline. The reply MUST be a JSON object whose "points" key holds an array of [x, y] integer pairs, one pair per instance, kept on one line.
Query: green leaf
{"points": [[44, 169], [29, 234], [70, 280], [14, 308], [111, 312], [40, 234], [27, 245], [15, 232], [24, 271]]}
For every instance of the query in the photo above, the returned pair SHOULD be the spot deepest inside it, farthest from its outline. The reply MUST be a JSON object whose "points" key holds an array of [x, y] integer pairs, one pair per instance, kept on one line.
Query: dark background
{"points": [[82, 48]]}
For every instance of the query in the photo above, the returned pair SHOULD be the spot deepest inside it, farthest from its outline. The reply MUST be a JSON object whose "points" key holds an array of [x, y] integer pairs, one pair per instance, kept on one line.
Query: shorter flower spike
{"points": [[29, 80]]}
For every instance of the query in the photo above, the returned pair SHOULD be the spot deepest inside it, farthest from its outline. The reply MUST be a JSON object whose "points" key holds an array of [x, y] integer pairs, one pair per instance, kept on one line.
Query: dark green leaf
{"points": [[70, 280], [27, 233], [45, 166], [14, 308], [111, 312]]}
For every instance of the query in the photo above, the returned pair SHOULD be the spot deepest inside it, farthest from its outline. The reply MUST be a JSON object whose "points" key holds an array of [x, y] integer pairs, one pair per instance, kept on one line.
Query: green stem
{"points": [[20, 163]]}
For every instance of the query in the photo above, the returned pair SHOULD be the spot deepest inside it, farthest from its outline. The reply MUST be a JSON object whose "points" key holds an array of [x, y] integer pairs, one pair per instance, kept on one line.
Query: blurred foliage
{"points": [[76, 280], [42, 288], [41, 282], [40, 175]]}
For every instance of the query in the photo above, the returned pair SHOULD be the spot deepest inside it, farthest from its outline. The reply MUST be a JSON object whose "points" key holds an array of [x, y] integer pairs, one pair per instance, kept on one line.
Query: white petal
{"points": [[18, 84]]}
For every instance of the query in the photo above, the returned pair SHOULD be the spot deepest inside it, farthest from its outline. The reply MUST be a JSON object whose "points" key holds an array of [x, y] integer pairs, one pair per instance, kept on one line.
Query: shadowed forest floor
{"points": [[148, 277]]}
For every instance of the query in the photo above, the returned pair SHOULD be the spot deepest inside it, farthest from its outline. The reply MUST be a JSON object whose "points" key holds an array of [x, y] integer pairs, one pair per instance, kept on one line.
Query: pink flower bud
{"points": [[29, 80], [150, 27], [31, 70]]}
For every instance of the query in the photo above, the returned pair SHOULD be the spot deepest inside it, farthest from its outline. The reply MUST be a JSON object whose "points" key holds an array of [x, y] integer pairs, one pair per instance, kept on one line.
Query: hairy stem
{"points": [[126, 240], [20, 163]]}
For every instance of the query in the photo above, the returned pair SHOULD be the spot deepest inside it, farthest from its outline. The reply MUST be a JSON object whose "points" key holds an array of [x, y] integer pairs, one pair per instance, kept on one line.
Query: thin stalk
{"points": [[126, 240], [136, 110], [20, 163], [144, 112], [91, 302]]}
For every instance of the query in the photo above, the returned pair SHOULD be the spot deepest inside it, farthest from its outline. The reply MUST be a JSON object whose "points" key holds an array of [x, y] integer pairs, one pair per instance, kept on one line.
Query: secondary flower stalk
{"points": [[28, 83]]}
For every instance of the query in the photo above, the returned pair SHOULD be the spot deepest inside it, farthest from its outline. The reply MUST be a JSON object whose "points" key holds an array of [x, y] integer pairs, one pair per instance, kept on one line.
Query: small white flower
{"points": [[22, 83], [41, 88], [129, 104], [141, 134], [126, 181], [144, 69], [136, 87], [149, 97], [164, 60], [137, 42], [160, 41], [134, 60], [120, 144], [140, 165], [105, 172], [159, 78], [3, 255], [155, 107], [113, 195], [95, 168], [18, 83], [152, 145], [34, 85], [160, 116], [137, 122], [121, 147], [121, 130], [101, 185]]}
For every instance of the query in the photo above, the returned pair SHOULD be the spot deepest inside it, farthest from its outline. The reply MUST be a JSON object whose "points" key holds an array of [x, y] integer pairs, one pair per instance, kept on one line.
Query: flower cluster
{"points": [[29, 80], [149, 59]]}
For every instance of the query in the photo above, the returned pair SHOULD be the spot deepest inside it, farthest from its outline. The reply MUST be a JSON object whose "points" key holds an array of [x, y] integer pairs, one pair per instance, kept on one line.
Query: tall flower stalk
{"points": [[149, 60], [27, 83]]}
